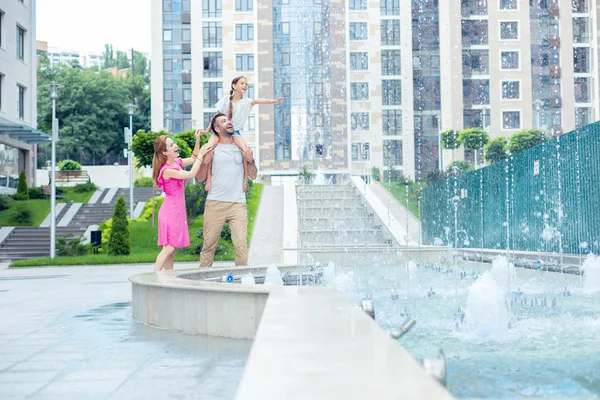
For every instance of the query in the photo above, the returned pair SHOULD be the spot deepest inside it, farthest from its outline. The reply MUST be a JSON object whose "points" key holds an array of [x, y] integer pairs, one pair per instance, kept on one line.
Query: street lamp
{"points": [[130, 109], [53, 95], [485, 126], [538, 113]]}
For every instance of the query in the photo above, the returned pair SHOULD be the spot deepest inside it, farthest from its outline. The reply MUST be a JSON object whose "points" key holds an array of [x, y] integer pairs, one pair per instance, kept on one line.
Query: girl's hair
{"points": [[159, 159], [233, 82]]}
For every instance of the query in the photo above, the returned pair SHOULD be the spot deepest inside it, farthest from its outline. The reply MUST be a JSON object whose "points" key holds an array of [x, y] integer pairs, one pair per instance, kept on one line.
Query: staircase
{"points": [[336, 224]]}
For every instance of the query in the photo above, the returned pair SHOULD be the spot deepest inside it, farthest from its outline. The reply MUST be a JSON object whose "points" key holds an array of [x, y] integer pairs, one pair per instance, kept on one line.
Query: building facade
{"points": [[373, 83], [18, 88], [58, 56]]}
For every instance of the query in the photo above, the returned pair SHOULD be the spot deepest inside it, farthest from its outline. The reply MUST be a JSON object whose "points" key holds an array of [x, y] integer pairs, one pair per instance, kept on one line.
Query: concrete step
{"points": [[330, 203]]}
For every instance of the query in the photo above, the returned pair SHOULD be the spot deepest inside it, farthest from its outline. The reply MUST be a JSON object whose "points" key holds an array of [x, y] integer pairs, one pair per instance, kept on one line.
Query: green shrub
{"points": [[195, 200], [105, 227], [22, 191], [305, 176], [459, 167], [146, 214], [393, 175], [143, 182], [435, 176], [73, 247], [118, 242], [5, 202], [375, 174], [496, 150], [226, 232], [85, 187], [36, 193], [69, 165], [21, 215]]}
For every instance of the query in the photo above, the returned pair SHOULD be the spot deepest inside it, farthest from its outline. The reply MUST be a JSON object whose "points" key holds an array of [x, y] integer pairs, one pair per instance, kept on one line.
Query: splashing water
{"points": [[273, 276], [591, 277], [320, 179], [329, 275], [486, 314], [503, 273], [248, 279]]}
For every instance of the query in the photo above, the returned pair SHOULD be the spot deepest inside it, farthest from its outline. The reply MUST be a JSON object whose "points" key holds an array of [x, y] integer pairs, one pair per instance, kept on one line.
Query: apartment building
{"points": [[373, 83], [18, 88]]}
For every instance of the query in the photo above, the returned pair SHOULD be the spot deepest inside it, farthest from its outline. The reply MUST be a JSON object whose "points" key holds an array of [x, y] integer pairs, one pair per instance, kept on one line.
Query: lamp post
{"points": [[485, 126], [53, 95], [538, 113], [130, 109]]}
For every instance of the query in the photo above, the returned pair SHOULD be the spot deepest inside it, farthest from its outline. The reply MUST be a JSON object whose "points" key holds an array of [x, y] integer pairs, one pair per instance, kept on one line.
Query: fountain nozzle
{"points": [[403, 329], [368, 306]]}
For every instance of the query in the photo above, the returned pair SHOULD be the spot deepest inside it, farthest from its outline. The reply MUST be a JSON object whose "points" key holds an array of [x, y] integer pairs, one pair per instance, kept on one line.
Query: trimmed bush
{"points": [[69, 165], [85, 187], [21, 215], [5, 202], [22, 191], [146, 214], [375, 174], [118, 242], [105, 227], [36, 193], [143, 182]]}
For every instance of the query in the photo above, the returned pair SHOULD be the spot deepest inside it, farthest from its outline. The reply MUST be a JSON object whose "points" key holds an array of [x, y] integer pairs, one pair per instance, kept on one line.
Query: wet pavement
{"points": [[68, 333]]}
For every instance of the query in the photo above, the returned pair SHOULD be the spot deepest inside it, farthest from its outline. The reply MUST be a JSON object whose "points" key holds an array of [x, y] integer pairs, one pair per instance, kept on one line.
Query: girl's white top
{"points": [[241, 110]]}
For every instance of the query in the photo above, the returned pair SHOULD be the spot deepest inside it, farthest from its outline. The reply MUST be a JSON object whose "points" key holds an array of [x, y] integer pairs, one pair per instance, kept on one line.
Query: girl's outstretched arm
{"points": [[267, 101]]}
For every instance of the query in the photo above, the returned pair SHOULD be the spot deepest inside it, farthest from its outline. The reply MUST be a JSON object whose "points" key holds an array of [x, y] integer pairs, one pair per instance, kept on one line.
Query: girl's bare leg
{"points": [[170, 262], [166, 252]]}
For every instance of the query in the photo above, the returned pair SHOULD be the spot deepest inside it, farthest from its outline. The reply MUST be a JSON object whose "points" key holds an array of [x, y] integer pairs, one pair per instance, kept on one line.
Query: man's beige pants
{"points": [[216, 214]]}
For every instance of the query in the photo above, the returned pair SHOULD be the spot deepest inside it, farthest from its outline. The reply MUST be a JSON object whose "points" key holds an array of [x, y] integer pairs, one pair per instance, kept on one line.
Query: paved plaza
{"points": [[67, 333]]}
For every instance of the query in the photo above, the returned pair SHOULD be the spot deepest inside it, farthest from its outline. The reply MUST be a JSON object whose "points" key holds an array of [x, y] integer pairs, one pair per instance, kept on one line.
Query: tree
{"points": [[140, 65], [143, 145], [434, 176], [459, 168], [450, 140], [118, 242], [525, 140], [22, 191], [473, 139], [496, 150], [122, 61], [109, 56]]}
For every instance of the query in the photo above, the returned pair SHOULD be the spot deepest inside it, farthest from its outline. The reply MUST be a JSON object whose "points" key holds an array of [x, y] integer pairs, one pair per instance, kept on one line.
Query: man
{"points": [[226, 202]]}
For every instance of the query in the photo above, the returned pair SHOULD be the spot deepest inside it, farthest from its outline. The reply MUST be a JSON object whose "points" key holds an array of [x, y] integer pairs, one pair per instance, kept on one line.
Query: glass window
{"points": [[359, 91], [285, 28], [392, 122], [285, 59], [186, 35], [20, 43], [213, 64], [167, 65], [186, 64], [509, 59], [251, 123], [582, 90], [583, 116], [581, 59], [391, 92], [187, 95], [390, 62], [213, 91], [359, 121], [509, 4], [244, 32], [167, 35], [250, 91], [579, 6], [511, 90], [212, 34], [361, 151], [211, 8], [474, 31], [389, 7], [392, 152], [359, 31], [244, 62], [509, 30], [168, 94], [581, 30], [511, 120], [359, 61], [185, 6], [1, 90], [207, 118], [243, 5], [167, 6], [1, 27], [317, 28], [319, 120], [390, 32], [358, 4], [21, 102]]}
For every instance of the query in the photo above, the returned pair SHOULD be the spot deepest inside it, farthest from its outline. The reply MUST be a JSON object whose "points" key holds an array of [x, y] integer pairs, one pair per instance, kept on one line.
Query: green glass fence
{"points": [[544, 199]]}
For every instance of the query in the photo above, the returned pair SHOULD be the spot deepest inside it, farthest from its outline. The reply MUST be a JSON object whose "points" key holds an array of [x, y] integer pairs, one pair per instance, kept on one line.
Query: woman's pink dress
{"points": [[172, 218]]}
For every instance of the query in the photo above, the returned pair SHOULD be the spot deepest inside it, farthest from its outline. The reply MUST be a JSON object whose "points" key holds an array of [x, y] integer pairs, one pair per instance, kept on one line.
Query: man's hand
{"points": [[248, 154]]}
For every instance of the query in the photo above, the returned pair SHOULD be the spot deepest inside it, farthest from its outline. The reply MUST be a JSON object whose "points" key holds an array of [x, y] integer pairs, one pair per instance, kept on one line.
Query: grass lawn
{"points": [[77, 197], [144, 238], [39, 208], [399, 192]]}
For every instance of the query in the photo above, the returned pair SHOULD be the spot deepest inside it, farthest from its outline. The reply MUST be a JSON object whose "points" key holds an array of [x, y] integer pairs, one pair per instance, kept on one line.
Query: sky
{"points": [[87, 25]]}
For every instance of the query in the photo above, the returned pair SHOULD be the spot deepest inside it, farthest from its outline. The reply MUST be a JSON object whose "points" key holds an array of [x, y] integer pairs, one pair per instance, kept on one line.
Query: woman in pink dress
{"points": [[168, 174]]}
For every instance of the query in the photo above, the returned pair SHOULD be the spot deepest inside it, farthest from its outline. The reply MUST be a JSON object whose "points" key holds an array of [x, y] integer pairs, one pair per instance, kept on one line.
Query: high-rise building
{"points": [[18, 88], [373, 83]]}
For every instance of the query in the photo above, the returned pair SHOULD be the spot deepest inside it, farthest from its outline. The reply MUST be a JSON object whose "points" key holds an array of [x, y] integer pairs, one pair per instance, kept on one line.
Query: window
{"points": [[185, 6], [1, 27], [167, 6], [187, 124], [390, 32], [187, 95], [20, 102], [476, 91], [579, 6], [583, 116], [167, 65], [251, 123], [358, 4], [511, 120], [359, 31], [582, 90], [20, 43], [211, 8], [391, 92], [244, 32], [318, 89], [474, 32], [168, 94], [243, 5], [581, 59], [213, 64], [390, 62], [186, 35], [509, 60], [285, 28], [250, 91], [511, 90], [244, 62], [212, 34], [581, 30], [1, 89], [392, 152], [359, 121], [208, 116], [392, 122], [389, 7], [361, 151], [319, 120], [509, 30], [475, 62], [186, 64], [359, 61], [286, 89], [285, 59], [509, 4], [213, 91], [359, 91], [317, 28], [167, 35]]}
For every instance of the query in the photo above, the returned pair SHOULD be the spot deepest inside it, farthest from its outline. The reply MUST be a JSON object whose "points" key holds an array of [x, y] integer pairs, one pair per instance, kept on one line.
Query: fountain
{"points": [[486, 315], [591, 278]]}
